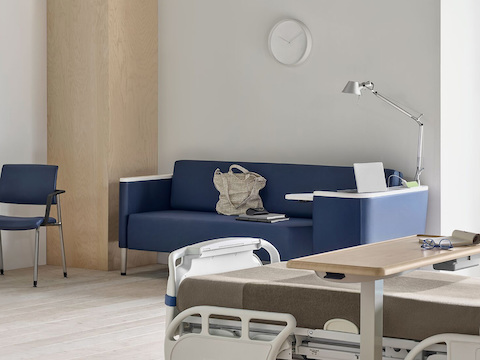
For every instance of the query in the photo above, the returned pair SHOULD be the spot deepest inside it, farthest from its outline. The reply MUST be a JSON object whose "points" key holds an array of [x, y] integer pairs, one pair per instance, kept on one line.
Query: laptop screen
{"points": [[370, 177]]}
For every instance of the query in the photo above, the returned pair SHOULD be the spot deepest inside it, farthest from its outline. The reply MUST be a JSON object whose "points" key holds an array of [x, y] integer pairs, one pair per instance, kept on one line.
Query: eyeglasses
{"points": [[443, 244]]}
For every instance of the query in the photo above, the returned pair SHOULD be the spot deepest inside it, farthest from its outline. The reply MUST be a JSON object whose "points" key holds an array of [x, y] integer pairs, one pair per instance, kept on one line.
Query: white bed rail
{"points": [[207, 344], [459, 347], [212, 257]]}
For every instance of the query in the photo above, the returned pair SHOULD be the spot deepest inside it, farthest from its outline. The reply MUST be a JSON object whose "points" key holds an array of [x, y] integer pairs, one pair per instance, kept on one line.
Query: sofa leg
{"points": [[123, 260]]}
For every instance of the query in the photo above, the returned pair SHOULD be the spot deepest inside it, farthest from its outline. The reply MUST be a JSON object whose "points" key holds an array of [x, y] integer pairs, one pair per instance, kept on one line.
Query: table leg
{"points": [[371, 320]]}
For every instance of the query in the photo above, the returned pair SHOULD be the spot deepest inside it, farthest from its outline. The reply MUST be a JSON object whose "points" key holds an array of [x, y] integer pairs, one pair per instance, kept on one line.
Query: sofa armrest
{"points": [[142, 194], [343, 219]]}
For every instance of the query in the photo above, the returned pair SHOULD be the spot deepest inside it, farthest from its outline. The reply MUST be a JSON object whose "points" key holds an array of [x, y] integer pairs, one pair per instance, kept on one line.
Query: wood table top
{"points": [[381, 259]]}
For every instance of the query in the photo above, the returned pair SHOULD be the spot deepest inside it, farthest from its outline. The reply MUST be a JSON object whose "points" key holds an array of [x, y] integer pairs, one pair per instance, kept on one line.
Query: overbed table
{"points": [[370, 264]]}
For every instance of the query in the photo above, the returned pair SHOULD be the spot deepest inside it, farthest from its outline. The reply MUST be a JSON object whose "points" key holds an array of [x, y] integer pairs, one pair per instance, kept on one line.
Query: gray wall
{"points": [[23, 109], [223, 96]]}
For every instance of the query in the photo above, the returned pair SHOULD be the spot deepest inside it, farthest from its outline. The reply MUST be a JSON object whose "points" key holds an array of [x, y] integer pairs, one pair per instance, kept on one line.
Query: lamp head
{"points": [[353, 87]]}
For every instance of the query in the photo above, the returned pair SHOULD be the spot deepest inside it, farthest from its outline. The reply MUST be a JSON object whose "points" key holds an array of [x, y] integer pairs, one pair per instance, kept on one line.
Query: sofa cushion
{"points": [[172, 229], [193, 189]]}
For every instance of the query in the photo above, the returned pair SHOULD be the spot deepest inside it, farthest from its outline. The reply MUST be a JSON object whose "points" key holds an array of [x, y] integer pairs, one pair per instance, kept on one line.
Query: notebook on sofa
{"points": [[265, 217]]}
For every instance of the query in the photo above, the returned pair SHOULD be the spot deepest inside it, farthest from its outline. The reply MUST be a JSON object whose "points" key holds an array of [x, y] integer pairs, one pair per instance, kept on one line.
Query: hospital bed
{"points": [[223, 303]]}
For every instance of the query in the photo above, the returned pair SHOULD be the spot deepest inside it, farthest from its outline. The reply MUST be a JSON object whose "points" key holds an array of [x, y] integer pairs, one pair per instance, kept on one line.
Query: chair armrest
{"points": [[146, 178], [50, 201], [142, 194]]}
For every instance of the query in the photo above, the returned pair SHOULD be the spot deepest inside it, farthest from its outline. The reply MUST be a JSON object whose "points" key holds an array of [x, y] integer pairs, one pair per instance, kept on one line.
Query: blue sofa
{"points": [[164, 213]]}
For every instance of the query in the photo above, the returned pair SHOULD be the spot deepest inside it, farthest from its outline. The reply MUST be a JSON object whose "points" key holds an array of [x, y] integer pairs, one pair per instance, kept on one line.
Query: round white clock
{"points": [[290, 42]]}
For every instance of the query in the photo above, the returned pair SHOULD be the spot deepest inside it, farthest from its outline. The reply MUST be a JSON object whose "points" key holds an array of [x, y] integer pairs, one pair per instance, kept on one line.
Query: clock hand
{"points": [[296, 36], [284, 39]]}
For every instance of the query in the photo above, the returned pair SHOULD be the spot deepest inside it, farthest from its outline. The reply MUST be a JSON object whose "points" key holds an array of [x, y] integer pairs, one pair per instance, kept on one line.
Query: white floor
{"points": [[90, 315]]}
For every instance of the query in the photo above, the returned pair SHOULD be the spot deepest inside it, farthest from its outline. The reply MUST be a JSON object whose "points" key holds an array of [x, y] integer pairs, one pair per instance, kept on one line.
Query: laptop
{"points": [[370, 177]]}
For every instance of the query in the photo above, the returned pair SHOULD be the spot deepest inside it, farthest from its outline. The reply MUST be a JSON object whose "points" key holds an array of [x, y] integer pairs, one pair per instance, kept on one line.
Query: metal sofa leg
{"points": [[1, 255], [35, 266], [123, 261]]}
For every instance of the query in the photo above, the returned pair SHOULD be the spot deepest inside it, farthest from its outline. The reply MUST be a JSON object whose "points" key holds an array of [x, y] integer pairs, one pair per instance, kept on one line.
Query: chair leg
{"points": [[60, 229], [35, 266], [62, 247], [1, 255]]}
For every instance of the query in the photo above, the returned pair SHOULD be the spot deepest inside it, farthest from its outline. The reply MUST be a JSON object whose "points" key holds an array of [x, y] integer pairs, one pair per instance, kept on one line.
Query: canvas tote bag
{"points": [[239, 191]]}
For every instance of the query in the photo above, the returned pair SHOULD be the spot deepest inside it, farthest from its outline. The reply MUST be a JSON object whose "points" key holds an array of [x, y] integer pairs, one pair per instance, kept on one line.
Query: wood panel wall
{"points": [[102, 93]]}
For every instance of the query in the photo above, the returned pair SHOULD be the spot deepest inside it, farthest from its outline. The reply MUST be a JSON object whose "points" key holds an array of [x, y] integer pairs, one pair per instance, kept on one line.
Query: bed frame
{"points": [[218, 333]]}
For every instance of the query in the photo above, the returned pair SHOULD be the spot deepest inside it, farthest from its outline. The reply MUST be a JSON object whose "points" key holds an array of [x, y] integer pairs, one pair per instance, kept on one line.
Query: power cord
{"points": [[403, 181]]}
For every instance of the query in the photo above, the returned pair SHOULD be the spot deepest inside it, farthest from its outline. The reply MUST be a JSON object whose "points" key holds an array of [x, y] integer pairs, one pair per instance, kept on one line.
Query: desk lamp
{"points": [[353, 87]]}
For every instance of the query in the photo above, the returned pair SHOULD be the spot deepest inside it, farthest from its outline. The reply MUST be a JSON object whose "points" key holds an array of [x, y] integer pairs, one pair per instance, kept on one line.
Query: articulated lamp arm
{"points": [[354, 87]]}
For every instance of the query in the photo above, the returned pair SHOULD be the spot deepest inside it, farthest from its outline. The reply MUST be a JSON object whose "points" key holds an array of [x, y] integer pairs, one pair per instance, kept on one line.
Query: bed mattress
{"points": [[416, 305]]}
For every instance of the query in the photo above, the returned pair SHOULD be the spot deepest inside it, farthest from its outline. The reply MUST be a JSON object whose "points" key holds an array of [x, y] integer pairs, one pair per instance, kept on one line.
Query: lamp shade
{"points": [[352, 87]]}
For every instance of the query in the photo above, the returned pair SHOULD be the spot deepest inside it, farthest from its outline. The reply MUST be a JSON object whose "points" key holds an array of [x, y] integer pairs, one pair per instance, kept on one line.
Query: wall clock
{"points": [[290, 42]]}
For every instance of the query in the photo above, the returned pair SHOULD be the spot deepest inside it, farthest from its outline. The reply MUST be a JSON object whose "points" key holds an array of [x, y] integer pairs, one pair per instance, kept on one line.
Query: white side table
{"points": [[344, 219]]}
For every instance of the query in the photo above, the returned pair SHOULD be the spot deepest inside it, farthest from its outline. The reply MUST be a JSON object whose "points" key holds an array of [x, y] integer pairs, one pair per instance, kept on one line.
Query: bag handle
{"points": [[238, 167], [243, 170]]}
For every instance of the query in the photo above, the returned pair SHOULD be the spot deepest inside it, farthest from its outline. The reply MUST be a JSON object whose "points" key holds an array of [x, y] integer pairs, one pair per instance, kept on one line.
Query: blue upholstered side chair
{"points": [[31, 185]]}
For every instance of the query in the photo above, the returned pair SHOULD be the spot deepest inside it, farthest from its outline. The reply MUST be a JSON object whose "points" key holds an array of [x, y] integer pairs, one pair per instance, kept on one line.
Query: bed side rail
{"points": [[212, 257], [459, 346], [207, 344]]}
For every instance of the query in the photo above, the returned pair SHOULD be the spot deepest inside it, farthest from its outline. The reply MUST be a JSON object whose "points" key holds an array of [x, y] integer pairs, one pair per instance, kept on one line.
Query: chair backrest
{"points": [[27, 183]]}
